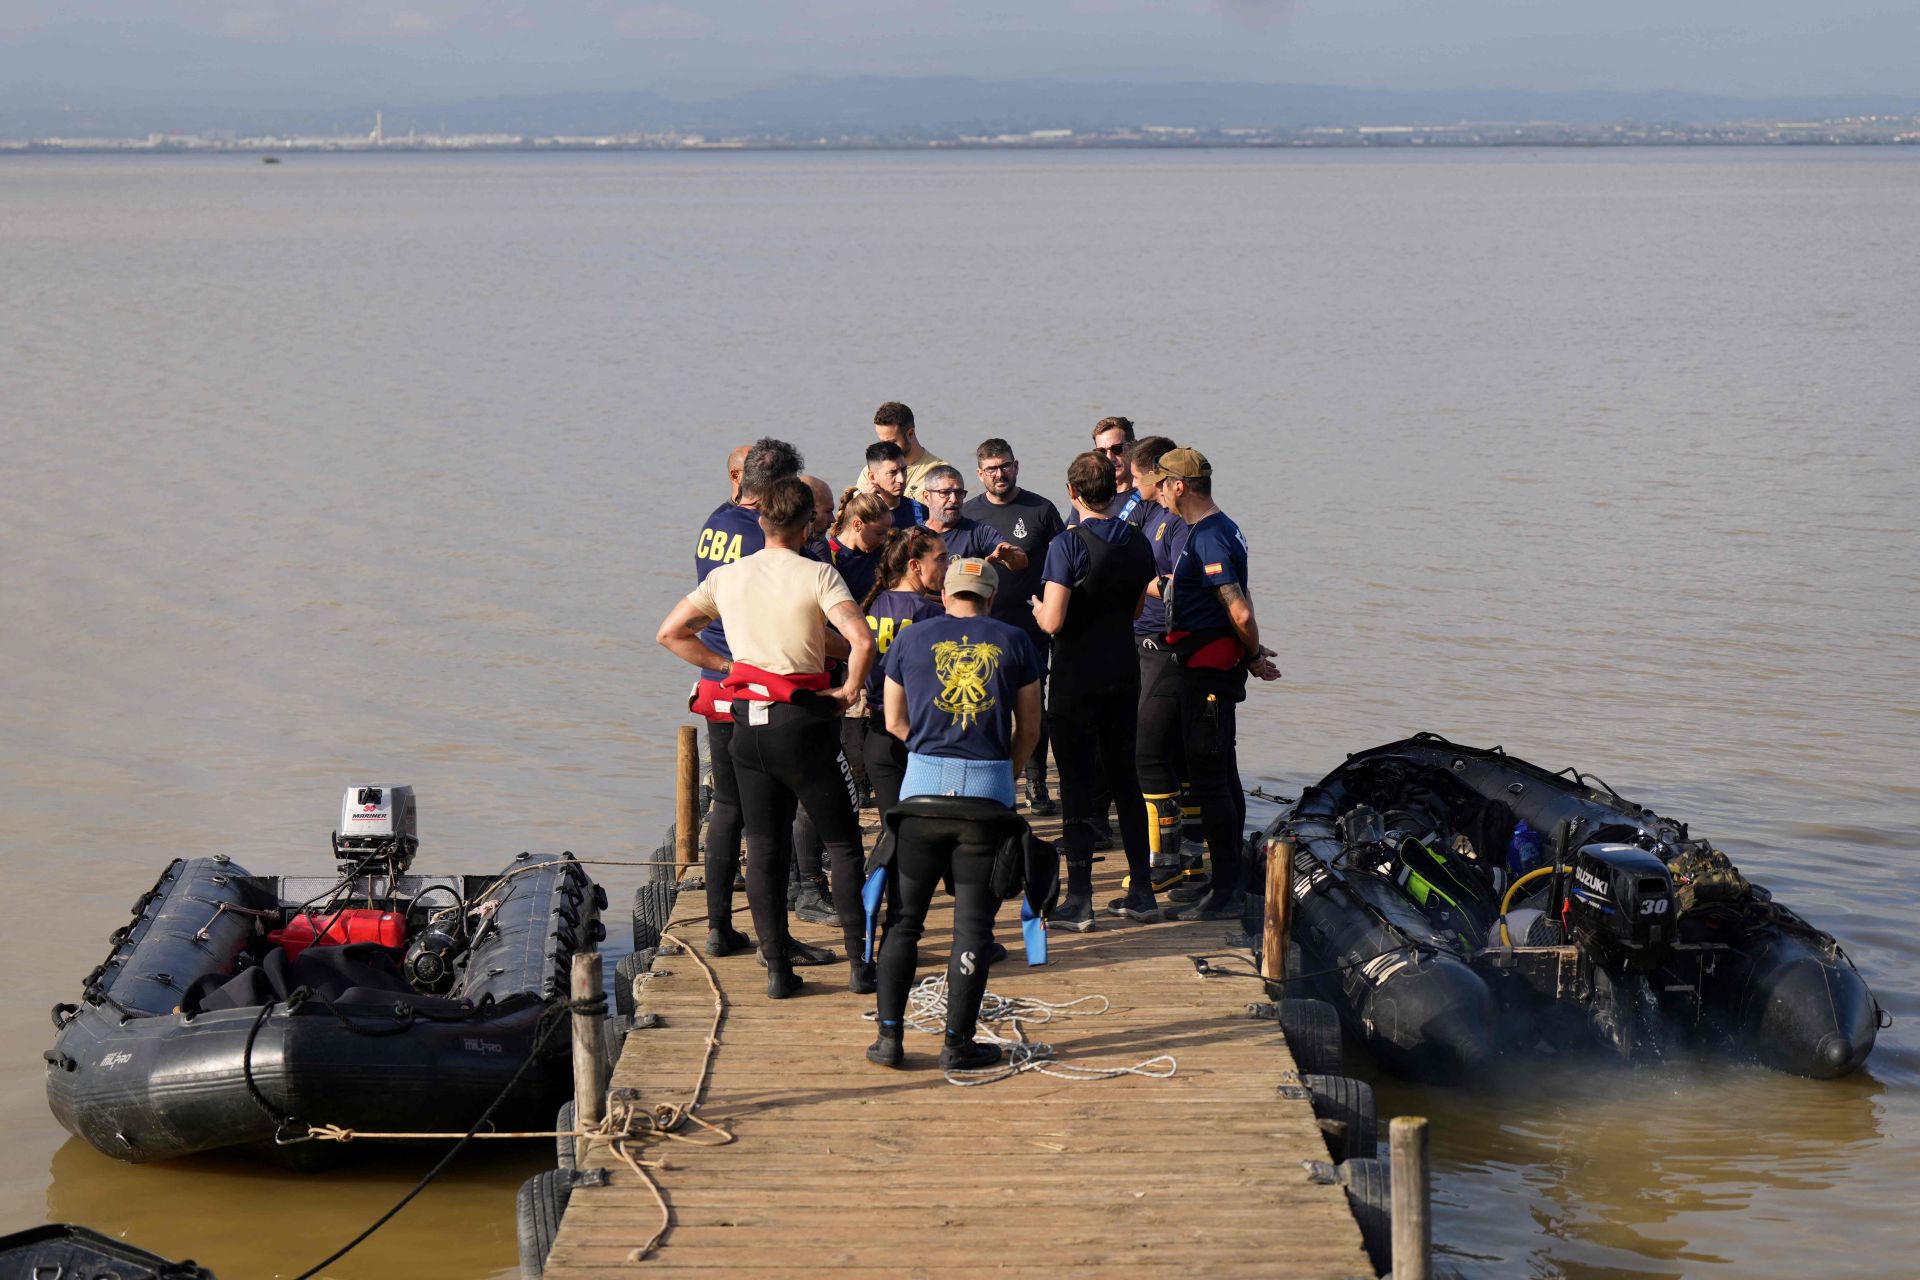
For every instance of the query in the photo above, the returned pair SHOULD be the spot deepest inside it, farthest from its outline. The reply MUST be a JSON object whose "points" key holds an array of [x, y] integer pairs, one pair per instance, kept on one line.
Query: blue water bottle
{"points": [[1523, 851]]}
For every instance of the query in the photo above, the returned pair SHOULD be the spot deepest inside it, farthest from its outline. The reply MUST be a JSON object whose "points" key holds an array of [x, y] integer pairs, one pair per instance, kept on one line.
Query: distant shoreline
{"points": [[263, 149]]}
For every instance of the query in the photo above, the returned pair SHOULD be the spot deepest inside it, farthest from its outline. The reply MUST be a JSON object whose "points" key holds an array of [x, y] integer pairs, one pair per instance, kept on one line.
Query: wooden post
{"points": [[1273, 946], [1412, 1199], [686, 803], [589, 1052]]}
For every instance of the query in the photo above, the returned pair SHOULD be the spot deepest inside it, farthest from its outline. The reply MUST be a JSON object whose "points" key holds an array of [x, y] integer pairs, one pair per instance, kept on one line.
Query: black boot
{"points": [[862, 980], [886, 1049], [968, 1054], [725, 940], [782, 982]]}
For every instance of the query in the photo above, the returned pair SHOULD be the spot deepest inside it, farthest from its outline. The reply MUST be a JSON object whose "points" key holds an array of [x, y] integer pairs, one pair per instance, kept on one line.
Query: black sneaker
{"points": [[887, 1051], [804, 954], [814, 905], [1075, 912], [863, 981], [971, 1055], [726, 940], [783, 983], [1191, 889], [1039, 803], [1136, 904], [1213, 907]]}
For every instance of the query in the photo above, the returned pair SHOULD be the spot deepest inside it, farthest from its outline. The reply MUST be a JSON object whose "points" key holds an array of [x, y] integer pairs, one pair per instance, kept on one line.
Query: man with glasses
{"points": [[1029, 522], [964, 536]]}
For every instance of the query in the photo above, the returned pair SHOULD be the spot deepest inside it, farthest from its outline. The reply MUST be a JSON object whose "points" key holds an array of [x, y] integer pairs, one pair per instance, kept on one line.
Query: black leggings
{"points": [[928, 850], [1207, 736], [1093, 742], [793, 760], [722, 854], [886, 761], [807, 847]]}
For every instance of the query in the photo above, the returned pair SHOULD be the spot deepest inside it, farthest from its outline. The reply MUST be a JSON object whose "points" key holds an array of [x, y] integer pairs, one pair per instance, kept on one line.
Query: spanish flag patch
{"points": [[1216, 567]]}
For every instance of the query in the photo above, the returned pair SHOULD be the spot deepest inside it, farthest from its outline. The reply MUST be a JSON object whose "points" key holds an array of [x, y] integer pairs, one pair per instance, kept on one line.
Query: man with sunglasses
{"points": [[1029, 522], [1114, 438]]}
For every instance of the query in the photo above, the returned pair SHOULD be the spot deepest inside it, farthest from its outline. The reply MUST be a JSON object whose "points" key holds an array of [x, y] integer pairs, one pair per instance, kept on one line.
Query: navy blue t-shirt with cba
{"points": [[890, 614], [730, 533], [1215, 556], [960, 676]]}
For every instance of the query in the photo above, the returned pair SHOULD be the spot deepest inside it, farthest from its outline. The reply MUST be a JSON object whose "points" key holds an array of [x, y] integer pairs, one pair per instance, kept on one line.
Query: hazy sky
{"points": [[320, 53]]}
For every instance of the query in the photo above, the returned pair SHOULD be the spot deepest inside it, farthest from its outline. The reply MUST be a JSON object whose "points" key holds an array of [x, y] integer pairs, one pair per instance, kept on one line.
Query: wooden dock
{"points": [[839, 1165]]}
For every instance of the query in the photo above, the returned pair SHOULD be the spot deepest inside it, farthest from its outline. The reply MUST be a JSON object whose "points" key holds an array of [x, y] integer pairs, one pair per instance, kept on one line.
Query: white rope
{"points": [[927, 1011]]}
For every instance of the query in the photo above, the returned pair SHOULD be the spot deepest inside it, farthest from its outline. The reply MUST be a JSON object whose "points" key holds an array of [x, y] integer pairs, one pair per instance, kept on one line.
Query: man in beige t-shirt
{"points": [[776, 606], [893, 423]]}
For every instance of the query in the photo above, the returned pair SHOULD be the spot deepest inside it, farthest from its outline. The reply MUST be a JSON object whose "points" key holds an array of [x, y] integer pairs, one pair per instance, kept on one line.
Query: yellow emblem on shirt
{"points": [[964, 670]]}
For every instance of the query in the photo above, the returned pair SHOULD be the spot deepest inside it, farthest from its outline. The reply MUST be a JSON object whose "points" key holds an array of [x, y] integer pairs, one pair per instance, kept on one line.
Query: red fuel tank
{"points": [[337, 928]]}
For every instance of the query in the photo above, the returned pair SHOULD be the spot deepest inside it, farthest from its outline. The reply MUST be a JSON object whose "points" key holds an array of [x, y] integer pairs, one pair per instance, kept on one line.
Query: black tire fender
{"points": [[652, 908], [537, 1211], [1312, 1032], [1348, 1115], [1370, 1195], [563, 1146]]}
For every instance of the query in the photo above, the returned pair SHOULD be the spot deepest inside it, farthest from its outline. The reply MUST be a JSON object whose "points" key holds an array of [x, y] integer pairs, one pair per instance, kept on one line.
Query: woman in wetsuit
{"points": [[963, 692], [906, 590], [776, 605]]}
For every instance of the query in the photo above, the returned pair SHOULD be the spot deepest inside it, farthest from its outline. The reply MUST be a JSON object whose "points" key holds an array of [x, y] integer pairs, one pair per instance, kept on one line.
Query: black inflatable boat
{"points": [[1456, 903], [239, 1010]]}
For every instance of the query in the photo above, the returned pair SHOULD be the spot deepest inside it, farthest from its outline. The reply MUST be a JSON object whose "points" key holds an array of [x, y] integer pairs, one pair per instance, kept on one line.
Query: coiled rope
{"points": [[1005, 1019]]}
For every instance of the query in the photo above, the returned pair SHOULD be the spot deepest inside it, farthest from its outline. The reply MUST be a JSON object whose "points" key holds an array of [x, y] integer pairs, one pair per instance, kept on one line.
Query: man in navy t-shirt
{"points": [[1029, 522], [1113, 437], [1215, 638], [965, 536], [1162, 763], [887, 476], [963, 692]]}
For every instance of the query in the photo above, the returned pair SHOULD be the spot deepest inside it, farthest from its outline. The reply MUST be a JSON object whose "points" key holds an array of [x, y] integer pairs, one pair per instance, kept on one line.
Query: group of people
{"points": [[907, 642]]}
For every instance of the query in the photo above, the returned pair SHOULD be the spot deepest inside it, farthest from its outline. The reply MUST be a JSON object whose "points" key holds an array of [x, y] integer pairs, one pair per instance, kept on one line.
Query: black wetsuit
{"points": [[1096, 690]]}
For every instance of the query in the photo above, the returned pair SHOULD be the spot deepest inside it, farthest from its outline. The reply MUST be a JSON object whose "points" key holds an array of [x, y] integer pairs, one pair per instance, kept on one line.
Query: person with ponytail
{"points": [[860, 530], [905, 590]]}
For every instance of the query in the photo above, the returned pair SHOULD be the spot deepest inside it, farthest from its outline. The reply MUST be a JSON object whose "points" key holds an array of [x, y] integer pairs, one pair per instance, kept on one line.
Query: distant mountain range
{"points": [[905, 109]]}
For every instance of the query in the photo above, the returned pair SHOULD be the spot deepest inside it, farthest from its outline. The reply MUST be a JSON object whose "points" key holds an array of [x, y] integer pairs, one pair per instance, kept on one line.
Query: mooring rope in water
{"points": [[927, 1011]]}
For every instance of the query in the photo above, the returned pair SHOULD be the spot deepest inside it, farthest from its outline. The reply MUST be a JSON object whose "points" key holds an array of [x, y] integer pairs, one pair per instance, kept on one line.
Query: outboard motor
{"points": [[1620, 905], [378, 824]]}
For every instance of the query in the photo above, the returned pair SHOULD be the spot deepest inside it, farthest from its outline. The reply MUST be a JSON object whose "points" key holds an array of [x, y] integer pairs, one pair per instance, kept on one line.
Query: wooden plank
{"points": [[842, 1166]]}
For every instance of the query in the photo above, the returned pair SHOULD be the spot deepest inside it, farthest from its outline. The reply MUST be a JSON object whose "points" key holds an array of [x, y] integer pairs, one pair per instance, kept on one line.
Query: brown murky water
{"points": [[383, 469]]}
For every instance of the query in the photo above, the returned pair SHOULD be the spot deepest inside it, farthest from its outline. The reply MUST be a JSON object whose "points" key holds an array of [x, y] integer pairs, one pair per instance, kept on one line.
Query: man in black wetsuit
{"points": [[1095, 577], [1029, 522], [1215, 639]]}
